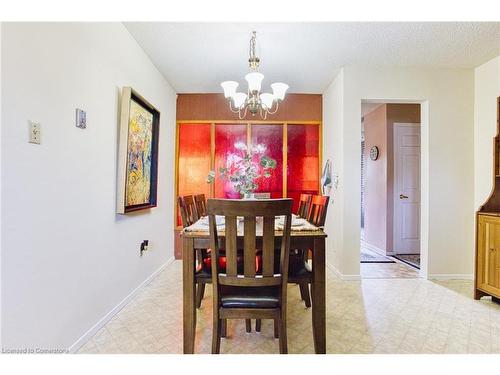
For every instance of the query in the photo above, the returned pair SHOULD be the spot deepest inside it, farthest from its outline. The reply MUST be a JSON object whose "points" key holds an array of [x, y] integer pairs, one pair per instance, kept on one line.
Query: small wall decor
{"points": [[81, 118], [326, 178], [137, 153], [374, 153]]}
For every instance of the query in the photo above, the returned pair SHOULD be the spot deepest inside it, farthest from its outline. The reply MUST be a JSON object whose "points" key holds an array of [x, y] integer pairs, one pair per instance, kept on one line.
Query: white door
{"points": [[406, 188]]}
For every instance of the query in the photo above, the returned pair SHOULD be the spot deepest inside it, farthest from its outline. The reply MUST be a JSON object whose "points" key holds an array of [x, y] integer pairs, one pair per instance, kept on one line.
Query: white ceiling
{"points": [[196, 57]]}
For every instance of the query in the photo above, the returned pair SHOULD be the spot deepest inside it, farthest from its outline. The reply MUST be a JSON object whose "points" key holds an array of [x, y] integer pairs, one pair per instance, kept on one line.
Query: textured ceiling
{"points": [[196, 57]]}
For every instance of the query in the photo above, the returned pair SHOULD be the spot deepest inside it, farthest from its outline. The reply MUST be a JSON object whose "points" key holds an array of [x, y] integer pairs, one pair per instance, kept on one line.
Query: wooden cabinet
{"points": [[488, 255], [487, 273]]}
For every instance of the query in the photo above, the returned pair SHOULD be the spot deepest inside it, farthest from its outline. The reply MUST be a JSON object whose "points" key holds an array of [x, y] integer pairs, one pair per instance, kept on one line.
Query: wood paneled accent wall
{"points": [[214, 107], [304, 109]]}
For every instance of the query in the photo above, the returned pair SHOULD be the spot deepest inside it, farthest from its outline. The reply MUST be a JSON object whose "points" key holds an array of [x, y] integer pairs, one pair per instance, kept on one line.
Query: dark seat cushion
{"points": [[249, 297]]}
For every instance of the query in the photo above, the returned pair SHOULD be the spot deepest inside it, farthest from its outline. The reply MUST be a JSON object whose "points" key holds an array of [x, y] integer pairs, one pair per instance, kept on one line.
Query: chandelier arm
{"points": [[263, 117], [275, 110], [233, 109], [240, 116]]}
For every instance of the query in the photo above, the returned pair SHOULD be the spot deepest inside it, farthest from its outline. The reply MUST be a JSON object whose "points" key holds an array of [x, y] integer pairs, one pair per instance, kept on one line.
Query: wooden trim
{"points": [[320, 156], [212, 156], [214, 106], [253, 122], [248, 124], [285, 159], [492, 204], [176, 177], [249, 135], [303, 122]]}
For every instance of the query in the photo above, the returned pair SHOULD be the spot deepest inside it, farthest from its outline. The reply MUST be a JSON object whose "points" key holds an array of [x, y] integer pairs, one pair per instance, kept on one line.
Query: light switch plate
{"points": [[35, 133], [81, 118]]}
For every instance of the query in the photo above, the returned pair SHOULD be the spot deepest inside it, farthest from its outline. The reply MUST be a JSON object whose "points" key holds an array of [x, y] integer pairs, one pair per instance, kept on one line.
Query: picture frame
{"points": [[138, 137]]}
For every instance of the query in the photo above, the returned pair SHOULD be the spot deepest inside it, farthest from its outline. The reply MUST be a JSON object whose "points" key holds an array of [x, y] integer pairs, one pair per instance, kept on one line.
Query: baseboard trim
{"points": [[340, 275], [106, 318], [375, 249], [451, 276]]}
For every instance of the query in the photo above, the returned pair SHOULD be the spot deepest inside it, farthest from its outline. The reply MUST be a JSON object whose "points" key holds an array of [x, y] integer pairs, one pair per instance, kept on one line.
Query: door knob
{"points": [[401, 196]]}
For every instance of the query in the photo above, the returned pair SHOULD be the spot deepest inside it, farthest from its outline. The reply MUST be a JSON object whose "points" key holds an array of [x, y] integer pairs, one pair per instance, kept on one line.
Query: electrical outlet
{"points": [[35, 132]]}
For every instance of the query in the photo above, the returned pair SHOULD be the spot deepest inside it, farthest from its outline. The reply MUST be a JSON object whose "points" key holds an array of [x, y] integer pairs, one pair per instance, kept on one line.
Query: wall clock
{"points": [[374, 153]]}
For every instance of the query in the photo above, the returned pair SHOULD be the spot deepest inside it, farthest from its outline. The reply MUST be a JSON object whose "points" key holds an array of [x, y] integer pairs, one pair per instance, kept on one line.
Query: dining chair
{"points": [[296, 255], [201, 204], [203, 274], [189, 216], [304, 204], [247, 292], [300, 270], [318, 209]]}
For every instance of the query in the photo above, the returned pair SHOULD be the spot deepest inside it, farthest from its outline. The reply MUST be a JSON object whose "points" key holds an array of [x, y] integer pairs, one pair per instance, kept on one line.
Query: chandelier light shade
{"points": [[254, 81], [267, 99], [239, 99], [254, 101], [279, 90], [229, 88]]}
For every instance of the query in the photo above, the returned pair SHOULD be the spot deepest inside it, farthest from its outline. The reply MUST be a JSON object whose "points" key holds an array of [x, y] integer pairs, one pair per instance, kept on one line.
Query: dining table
{"points": [[306, 236]]}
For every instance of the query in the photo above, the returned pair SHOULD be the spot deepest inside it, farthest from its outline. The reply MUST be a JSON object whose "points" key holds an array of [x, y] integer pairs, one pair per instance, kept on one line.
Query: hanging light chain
{"points": [[253, 61]]}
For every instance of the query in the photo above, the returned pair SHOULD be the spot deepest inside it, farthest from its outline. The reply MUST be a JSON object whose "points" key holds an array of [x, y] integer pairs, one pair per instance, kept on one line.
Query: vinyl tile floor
{"points": [[398, 315]]}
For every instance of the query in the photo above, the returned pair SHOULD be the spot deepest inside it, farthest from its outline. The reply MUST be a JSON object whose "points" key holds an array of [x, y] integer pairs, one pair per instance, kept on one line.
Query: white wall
{"points": [[1, 240], [333, 150], [67, 258], [447, 215], [486, 92]]}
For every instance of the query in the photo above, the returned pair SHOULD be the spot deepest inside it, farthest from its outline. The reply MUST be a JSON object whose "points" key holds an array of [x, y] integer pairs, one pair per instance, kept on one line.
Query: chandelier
{"points": [[254, 101]]}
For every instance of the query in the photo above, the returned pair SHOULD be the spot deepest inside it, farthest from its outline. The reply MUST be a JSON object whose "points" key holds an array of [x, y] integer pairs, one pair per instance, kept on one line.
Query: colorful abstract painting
{"points": [[137, 153], [139, 156]]}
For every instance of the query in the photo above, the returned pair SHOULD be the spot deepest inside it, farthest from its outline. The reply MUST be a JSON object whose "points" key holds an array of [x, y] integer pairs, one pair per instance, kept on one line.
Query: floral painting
{"points": [[137, 154]]}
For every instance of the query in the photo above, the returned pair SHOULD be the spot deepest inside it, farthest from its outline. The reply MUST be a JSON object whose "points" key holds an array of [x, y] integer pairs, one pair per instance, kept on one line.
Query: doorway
{"points": [[390, 190]]}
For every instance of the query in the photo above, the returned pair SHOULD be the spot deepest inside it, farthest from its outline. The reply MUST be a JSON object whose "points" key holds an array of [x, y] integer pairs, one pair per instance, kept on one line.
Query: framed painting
{"points": [[137, 153]]}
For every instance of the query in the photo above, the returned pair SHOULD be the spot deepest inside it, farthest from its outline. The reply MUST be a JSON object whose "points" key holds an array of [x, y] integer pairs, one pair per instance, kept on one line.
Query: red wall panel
{"points": [[271, 136], [302, 161], [194, 160], [226, 136]]}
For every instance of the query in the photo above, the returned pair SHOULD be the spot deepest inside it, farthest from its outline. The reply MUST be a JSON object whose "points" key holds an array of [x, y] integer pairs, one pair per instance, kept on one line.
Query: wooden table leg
{"points": [[188, 295], [319, 296]]}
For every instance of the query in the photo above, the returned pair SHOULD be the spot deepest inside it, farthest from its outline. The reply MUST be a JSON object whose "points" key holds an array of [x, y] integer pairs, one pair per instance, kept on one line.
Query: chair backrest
{"points": [[304, 203], [189, 214], [258, 220], [317, 211], [201, 204]]}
